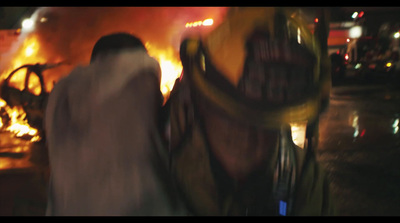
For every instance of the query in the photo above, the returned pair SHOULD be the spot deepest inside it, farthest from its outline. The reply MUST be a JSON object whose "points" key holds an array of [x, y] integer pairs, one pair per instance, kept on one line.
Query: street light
{"points": [[27, 24], [355, 32]]}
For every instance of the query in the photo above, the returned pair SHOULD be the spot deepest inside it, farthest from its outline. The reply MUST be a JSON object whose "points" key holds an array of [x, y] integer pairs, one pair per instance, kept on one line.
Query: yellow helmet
{"points": [[261, 65]]}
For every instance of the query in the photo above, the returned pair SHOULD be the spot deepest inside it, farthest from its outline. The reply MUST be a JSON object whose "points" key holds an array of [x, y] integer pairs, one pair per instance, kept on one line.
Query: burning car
{"points": [[31, 99], [21, 108]]}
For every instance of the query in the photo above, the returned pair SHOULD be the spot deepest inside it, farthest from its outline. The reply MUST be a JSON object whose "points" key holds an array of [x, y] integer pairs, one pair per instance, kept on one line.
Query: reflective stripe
{"points": [[285, 174], [271, 118], [282, 208]]}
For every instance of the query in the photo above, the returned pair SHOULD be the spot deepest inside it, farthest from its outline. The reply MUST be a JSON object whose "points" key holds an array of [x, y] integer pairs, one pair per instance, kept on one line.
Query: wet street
{"points": [[359, 146]]}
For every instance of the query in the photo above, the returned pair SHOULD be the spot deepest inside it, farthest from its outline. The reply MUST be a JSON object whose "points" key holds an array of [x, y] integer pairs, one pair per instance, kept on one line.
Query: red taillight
{"points": [[346, 56]]}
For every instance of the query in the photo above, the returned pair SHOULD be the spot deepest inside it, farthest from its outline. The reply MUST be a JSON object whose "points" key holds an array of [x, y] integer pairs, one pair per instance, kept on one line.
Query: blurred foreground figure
{"points": [[243, 86], [104, 146]]}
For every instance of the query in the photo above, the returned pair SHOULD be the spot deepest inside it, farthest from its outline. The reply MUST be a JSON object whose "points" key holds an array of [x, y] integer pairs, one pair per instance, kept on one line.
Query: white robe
{"points": [[100, 124]]}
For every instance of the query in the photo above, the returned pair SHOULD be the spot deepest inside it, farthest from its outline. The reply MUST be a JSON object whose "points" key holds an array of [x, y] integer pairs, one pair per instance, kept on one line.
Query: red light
{"points": [[346, 56], [360, 14], [362, 133], [316, 20]]}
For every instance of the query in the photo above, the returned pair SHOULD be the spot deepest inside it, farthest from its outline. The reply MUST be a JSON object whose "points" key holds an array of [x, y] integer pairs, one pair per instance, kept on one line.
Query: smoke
{"points": [[69, 33]]}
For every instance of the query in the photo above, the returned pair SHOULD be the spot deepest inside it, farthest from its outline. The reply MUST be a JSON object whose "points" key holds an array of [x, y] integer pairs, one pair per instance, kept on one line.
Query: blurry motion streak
{"points": [[362, 133], [395, 126], [354, 15], [354, 123], [299, 35]]}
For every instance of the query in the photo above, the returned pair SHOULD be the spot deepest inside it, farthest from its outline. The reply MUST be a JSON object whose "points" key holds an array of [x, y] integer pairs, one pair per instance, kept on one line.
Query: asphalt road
{"points": [[23, 177], [359, 146]]}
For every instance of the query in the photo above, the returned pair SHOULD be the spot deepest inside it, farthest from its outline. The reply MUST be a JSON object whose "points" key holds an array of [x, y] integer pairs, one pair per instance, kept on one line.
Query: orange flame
{"points": [[171, 67], [27, 53]]}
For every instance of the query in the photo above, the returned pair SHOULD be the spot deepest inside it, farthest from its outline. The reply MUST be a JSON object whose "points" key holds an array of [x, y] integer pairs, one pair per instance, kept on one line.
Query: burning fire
{"points": [[28, 53], [171, 67], [13, 119], [17, 124]]}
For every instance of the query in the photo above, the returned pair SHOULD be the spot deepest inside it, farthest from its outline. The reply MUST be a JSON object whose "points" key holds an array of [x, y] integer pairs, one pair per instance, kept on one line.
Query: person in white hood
{"points": [[105, 150]]}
